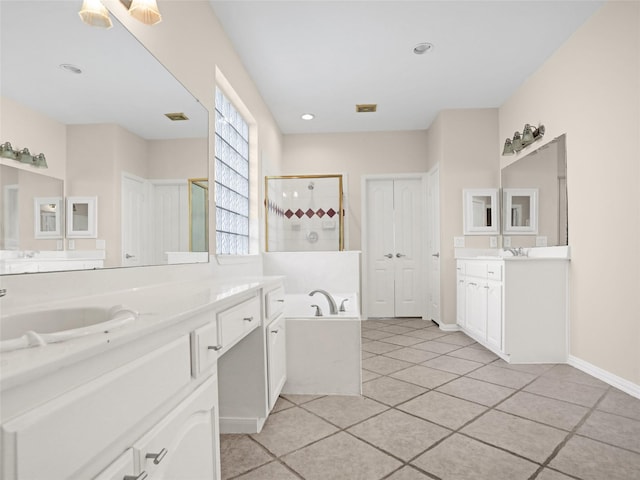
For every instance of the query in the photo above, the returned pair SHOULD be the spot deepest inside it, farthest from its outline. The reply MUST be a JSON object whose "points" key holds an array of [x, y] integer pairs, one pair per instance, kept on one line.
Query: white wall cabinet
{"points": [[516, 307]]}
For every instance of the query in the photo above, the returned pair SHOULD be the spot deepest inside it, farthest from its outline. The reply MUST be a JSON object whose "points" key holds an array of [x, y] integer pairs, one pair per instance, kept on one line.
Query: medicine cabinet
{"points": [[480, 211], [82, 217], [520, 211], [47, 217]]}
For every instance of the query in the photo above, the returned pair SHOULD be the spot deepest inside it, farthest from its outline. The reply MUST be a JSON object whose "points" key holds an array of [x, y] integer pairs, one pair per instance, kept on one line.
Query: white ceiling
{"points": [[324, 57], [121, 83]]}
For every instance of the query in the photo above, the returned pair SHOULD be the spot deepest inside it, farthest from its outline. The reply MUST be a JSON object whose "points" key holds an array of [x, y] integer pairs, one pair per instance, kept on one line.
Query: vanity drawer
{"points": [[494, 271], [205, 345], [476, 269], [89, 418], [237, 321], [274, 303]]}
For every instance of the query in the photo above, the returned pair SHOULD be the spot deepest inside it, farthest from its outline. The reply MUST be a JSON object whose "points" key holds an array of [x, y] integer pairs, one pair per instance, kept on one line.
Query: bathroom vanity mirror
{"points": [[520, 211], [48, 217], [94, 102], [480, 211], [545, 172]]}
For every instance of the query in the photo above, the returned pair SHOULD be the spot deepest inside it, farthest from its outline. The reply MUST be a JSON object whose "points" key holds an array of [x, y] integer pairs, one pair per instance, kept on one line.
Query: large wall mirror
{"points": [[94, 101], [537, 182]]}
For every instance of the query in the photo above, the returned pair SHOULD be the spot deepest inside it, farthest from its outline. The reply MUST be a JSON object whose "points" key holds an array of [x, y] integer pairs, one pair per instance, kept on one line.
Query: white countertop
{"points": [[159, 307], [532, 254]]}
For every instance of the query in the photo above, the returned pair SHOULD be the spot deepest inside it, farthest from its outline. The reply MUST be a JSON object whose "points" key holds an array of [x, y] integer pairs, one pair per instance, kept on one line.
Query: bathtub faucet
{"points": [[333, 308]]}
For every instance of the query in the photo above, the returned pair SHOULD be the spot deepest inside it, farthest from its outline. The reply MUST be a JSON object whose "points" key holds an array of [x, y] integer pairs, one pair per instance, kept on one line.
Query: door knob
{"points": [[400, 255], [389, 255], [437, 255], [129, 256]]}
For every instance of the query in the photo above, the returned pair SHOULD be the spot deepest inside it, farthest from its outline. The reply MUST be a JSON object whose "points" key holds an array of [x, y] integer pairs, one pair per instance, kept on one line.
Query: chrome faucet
{"points": [[333, 308], [517, 252]]}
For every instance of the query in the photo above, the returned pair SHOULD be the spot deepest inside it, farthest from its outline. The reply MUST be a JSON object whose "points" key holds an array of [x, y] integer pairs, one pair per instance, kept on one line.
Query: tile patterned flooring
{"points": [[438, 405]]}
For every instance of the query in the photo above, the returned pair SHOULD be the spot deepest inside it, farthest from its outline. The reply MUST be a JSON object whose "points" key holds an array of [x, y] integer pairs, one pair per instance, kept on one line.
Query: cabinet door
{"points": [[476, 308], [184, 445], [494, 314], [276, 358]]}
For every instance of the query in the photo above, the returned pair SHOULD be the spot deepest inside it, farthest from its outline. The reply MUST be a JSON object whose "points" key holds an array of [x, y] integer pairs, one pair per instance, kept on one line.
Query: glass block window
{"points": [[232, 179]]}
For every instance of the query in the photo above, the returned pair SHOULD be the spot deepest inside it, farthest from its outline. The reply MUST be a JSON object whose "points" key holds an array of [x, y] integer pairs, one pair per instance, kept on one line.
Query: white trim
{"points": [[241, 425], [608, 377], [450, 327]]}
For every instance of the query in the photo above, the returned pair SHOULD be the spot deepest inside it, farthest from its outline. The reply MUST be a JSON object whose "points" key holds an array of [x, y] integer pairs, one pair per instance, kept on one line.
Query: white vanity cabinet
{"points": [[516, 307]]}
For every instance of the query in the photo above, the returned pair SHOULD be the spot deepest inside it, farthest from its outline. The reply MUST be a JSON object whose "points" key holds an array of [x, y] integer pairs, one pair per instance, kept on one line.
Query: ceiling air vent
{"points": [[175, 117], [366, 107]]}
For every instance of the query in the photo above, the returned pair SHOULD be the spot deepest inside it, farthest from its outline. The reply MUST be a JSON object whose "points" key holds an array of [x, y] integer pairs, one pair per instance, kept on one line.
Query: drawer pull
{"points": [[277, 330], [248, 319], [491, 272], [474, 284], [143, 475], [214, 347], [157, 457], [487, 287], [281, 300]]}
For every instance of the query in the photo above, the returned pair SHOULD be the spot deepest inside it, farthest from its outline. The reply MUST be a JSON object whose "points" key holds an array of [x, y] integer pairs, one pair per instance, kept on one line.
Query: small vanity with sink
{"points": [[516, 306]]}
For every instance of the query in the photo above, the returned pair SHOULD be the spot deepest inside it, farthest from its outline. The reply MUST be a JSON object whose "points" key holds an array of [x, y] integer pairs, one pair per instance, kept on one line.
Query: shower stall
{"points": [[304, 213]]}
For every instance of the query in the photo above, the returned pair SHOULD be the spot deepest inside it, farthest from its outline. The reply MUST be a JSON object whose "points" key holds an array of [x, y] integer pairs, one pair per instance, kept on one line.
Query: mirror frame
{"points": [[507, 195], [92, 221], [467, 209], [37, 223]]}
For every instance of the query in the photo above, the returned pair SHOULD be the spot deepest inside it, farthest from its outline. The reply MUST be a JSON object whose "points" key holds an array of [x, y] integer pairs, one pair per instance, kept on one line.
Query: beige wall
{"points": [[177, 158], [355, 154], [590, 90], [26, 128], [463, 143]]}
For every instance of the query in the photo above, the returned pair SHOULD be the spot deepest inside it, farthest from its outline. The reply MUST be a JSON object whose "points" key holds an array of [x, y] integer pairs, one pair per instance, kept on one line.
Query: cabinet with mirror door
{"points": [[481, 211]]}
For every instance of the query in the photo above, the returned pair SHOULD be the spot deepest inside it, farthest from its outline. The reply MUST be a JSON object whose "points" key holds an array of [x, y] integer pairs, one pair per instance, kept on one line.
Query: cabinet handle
{"points": [[474, 284], [487, 287], [143, 475], [157, 457], [277, 330], [214, 347], [491, 272], [248, 319], [281, 300], [460, 281]]}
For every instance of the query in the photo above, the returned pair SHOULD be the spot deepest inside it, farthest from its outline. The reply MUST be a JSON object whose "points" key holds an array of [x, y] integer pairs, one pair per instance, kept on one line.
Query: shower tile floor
{"points": [[438, 405]]}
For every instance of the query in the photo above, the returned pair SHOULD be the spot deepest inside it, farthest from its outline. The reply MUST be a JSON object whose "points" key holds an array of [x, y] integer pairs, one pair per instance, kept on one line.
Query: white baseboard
{"points": [[241, 425], [613, 380], [449, 327]]}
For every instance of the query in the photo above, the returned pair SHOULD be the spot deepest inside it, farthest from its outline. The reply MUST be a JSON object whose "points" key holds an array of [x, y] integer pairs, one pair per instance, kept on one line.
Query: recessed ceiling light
{"points": [[71, 68], [307, 116], [422, 48]]}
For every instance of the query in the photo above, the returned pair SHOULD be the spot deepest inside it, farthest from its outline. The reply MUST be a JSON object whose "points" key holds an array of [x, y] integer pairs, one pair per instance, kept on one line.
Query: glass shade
{"points": [[94, 13], [517, 142], [527, 135], [508, 147], [40, 161], [146, 11]]}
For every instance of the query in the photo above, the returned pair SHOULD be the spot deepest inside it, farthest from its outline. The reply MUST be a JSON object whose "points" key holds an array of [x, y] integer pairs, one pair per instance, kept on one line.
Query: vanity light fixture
{"points": [[529, 135], [145, 11], [307, 116], [23, 156], [94, 13]]}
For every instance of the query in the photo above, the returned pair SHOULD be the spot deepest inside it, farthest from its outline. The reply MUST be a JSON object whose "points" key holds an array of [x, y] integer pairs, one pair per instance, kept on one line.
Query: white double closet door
{"points": [[394, 249]]}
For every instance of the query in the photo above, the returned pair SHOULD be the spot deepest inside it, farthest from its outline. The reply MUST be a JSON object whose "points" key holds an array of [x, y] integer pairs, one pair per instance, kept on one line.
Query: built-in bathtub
{"points": [[323, 352]]}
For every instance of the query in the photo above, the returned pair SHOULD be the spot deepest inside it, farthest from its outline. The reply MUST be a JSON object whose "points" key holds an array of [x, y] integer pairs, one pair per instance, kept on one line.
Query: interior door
{"points": [[133, 220], [394, 250], [380, 248], [407, 259]]}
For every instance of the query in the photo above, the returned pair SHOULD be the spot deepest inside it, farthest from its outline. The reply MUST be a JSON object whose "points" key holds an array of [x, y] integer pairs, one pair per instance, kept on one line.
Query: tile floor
{"points": [[440, 406]]}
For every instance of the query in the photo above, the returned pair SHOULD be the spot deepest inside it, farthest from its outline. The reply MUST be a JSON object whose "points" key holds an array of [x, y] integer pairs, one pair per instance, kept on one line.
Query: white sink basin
{"points": [[51, 326]]}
